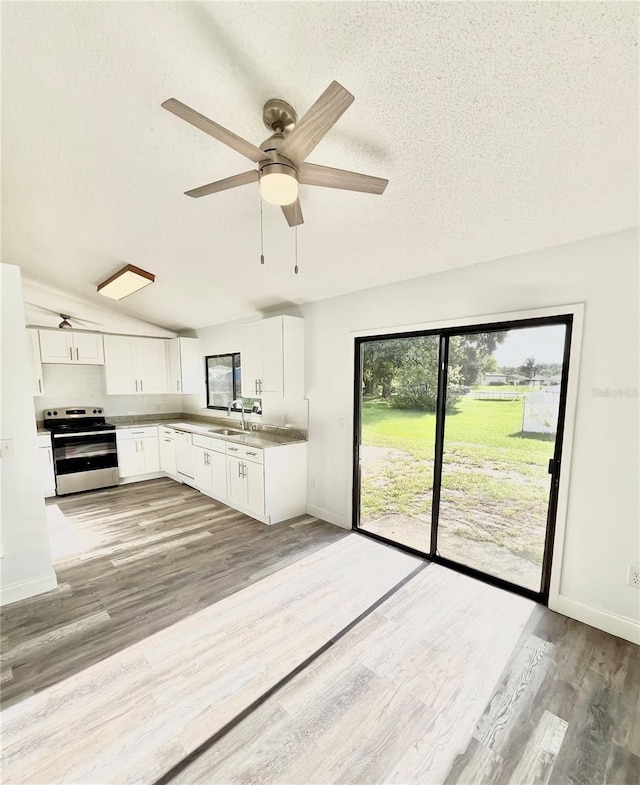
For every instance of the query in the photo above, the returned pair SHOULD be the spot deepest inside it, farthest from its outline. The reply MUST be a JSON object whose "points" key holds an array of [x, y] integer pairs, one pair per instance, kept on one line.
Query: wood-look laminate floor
{"points": [[131, 561], [442, 681]]}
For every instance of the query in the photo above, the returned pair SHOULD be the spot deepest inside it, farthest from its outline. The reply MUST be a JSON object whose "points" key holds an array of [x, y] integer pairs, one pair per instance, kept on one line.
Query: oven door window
{"points": [[84, 453]]}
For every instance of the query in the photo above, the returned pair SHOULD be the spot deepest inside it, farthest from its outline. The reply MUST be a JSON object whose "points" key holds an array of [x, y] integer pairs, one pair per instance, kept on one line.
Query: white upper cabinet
{"points": [[185, 366], [71, 348], [273, 357], [135, 365], [36, 364]]}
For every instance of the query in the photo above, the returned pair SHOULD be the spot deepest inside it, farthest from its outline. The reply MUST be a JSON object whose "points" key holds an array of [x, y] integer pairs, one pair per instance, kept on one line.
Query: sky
{"points": [[544, 343]]}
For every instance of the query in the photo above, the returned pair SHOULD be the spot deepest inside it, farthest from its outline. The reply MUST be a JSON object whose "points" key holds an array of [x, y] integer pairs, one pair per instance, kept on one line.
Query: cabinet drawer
{"points": [[168, 433], [254, 454], [209, 443], [136, 433]]}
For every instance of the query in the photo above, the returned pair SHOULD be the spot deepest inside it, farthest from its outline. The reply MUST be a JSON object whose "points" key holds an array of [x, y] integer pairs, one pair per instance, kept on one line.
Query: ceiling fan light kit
{"points": [[125, 282], [281, 157], [278, 183]]}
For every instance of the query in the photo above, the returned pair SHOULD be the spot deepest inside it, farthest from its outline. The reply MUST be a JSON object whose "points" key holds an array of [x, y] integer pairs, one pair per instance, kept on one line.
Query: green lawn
{"points": [[495, 482]]}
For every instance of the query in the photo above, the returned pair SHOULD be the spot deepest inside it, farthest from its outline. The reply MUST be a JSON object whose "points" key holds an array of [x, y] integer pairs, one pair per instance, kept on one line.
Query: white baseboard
{"points": [[23, 589], [621, 626], [327, 515]]}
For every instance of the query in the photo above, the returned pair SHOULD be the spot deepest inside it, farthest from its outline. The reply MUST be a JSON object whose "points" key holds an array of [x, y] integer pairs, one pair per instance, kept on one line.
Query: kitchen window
{"points": [[223, 380]]}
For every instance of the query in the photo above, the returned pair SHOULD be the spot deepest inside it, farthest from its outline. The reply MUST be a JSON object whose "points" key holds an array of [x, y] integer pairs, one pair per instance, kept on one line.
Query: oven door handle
{"points": [[83, 433]]}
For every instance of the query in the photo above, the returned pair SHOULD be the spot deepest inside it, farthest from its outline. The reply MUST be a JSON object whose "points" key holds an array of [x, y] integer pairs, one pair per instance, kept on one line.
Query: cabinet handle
{"points": [[168, 441], [40, 385], [239, 465], [136, 433], [177, 386], [77, 354], [251, 453], [136, 385], [141, 387], [71, 354], [244, 470], [233, 449]]}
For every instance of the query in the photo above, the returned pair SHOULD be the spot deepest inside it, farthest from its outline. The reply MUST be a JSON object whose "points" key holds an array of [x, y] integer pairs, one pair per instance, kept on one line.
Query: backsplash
{"points": [[79, 385], [84, 385]]}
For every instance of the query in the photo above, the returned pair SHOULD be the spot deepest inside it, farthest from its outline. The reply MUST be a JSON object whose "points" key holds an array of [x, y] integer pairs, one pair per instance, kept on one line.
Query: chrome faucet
{"points": [[239, 402]]}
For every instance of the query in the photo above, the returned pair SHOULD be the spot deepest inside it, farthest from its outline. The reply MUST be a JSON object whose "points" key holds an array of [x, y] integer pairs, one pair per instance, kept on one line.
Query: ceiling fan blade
{"points": [[293, 213], [312, 174], [315, 124], [223, 185], [223, 135]]}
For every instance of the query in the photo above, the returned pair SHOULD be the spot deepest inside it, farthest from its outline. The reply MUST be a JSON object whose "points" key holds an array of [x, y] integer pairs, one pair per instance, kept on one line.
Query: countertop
{"points": [[265, 437]]}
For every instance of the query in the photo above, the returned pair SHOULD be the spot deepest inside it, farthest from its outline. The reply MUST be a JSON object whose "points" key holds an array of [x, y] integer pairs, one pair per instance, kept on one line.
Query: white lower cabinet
{"points": [[167, 444], [246, 485], [210, 466], [138, 451], [47, 476]]}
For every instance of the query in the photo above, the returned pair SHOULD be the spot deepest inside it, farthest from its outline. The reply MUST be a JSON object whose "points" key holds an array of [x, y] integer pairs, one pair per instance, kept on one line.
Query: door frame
{"points": [[556, 534]]}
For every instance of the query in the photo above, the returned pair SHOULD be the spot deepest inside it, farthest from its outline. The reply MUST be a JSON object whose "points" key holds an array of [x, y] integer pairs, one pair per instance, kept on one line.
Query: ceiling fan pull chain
{"points": [[295, 269], [261, 235]]}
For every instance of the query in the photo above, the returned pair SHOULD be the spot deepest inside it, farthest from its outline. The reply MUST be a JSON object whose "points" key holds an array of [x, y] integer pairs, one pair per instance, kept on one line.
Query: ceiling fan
{"points": [[280, 158], [65, 323]]}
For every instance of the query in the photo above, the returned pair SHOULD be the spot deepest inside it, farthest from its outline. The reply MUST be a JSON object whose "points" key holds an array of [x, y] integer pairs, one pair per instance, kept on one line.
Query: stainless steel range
{"points": [[85, 455]]}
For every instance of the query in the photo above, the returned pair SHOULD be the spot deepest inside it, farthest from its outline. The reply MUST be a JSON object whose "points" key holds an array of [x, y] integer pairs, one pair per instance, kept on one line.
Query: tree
{"points": [[529, 368], [473, 354], [380, 361]]}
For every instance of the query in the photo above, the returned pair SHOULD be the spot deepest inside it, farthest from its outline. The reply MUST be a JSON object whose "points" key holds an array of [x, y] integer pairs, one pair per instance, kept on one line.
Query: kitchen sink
{"points": [[226, 432]]}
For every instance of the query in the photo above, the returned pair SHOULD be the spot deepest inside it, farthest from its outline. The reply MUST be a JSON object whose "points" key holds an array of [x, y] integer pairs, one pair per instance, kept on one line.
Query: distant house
{"points": [[551, 381], [493, 378]]}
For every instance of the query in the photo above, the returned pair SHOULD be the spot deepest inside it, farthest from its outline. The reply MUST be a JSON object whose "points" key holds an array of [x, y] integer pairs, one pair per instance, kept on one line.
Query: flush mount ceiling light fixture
{"points": [[125, 282], [281, 157]]}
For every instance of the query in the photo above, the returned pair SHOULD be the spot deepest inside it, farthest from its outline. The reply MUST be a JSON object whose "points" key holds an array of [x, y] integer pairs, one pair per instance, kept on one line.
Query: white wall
{"points": [[26, 567], [77, 385], [602, 533]]}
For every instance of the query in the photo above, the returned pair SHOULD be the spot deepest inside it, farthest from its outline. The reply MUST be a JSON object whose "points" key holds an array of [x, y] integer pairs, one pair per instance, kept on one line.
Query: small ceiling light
{"points": [[278, 184], [125, 282]]}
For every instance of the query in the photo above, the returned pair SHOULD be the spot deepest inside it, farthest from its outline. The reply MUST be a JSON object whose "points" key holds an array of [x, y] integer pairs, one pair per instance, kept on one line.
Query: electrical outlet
{"points": [[633, 578], [7, 449]]}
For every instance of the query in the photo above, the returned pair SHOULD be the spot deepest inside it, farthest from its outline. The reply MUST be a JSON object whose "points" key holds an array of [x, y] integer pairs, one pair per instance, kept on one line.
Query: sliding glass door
{"points": [[397, 438], [458, 437]]}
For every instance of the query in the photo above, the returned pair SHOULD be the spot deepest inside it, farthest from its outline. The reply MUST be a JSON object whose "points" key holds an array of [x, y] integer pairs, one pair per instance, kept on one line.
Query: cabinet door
{"points": [[251, 361], [36, 363], [119, 365], [88, 348], [236, 483], [151, 359], [150, 454], [272, 359], [46, 471], [203, 469], [254, 479], [167, 456], [191, 366], [218, 466], [130, 461], [56, 346], [174, 382]]}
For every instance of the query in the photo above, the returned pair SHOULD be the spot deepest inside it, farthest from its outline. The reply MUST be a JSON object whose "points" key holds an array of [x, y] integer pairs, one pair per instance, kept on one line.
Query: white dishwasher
{"points": [[185, 457]]}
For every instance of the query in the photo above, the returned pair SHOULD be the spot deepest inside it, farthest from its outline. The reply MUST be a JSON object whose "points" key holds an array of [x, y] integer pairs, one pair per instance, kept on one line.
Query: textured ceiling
{"points": [[502, 127]]}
